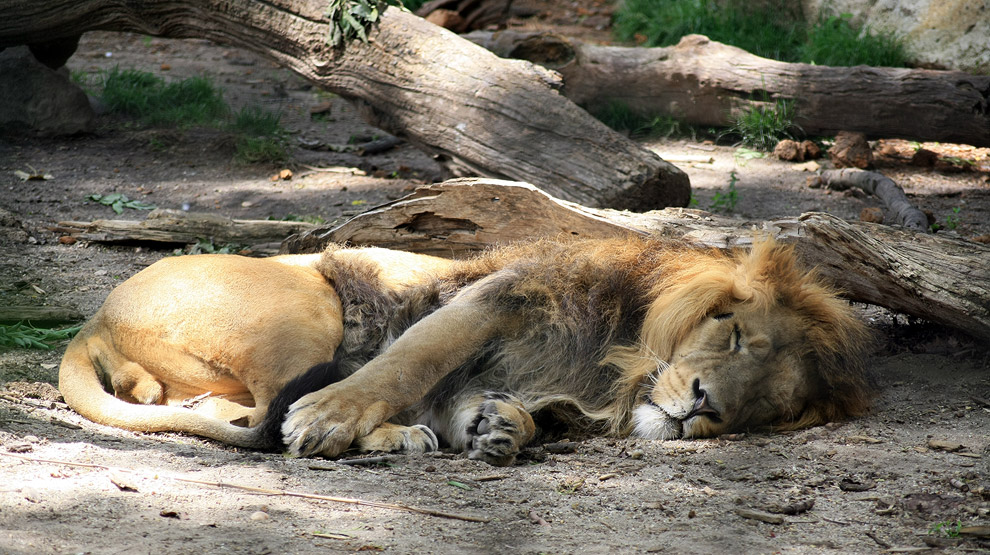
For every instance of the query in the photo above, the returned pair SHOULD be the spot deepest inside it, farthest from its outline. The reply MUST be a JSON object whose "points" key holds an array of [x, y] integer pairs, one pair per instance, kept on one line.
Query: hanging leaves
{"points": [[351, 19]]}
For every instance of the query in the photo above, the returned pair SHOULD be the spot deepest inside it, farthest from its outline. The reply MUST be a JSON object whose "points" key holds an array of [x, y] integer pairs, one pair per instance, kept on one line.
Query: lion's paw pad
{"points": [[499, 431]]}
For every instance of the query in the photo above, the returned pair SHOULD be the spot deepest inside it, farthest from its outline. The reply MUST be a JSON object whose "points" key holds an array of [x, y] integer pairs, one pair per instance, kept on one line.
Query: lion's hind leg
{"points": [[393, 438], [492, 427]]}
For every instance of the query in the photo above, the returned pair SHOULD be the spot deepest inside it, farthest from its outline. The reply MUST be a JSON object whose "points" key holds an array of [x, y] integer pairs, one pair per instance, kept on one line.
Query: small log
{"points": [[40, 316], [703, 82], [899, 209], [173, 227], [939, 278]]}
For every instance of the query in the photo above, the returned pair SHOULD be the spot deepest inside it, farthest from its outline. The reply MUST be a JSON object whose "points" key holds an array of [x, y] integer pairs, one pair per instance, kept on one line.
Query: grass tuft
{"points": [[767, 31]]}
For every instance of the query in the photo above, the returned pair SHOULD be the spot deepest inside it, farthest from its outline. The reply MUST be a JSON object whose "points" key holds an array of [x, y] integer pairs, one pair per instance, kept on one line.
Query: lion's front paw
{"points": [[326, 422], [499, 430], [392, 438]]}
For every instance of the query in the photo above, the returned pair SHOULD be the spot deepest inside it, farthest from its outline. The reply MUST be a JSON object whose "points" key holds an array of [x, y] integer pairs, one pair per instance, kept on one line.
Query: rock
{"points": [[36, 98], [793, 151], [871, 214], [789, 150], [811, 150], [851, 151], [924, 158], [448, 19]]}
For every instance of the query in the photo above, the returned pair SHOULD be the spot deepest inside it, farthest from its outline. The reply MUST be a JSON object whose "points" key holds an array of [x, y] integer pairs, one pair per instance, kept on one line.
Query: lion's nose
{"points": [[701, 405]]}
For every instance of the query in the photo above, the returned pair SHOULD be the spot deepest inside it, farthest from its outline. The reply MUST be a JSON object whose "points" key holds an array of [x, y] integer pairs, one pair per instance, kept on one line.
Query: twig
{"points": [[367, 461], [879, 541], [265, 491]]}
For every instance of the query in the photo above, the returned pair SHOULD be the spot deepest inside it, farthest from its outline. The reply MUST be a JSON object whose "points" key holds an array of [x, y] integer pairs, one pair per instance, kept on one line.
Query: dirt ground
{"points": [[904, 478]]}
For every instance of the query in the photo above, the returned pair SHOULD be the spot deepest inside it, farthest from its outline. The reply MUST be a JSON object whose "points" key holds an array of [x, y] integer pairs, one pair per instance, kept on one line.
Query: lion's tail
{"points": [[82, 389]]}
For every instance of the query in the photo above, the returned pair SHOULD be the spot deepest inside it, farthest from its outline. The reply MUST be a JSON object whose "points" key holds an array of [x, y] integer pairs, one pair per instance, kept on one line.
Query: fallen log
{"points": [[40, 316], [936, 277], [477, 113], [705, 83], [174, 227], [896, 204]]}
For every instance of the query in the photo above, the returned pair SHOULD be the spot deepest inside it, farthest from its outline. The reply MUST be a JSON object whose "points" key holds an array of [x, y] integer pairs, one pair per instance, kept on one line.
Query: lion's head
{"points": [[746, 341]]}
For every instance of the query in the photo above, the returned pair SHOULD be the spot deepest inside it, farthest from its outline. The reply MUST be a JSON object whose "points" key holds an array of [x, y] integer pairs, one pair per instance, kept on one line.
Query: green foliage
{"points": [[29, 337], [620, 117], [350, 19], [726, 201], [761, 127], [945, 529], [951, 221], [765, 30], [260, 137], [118, 202], [142, 95], [834, 41]]}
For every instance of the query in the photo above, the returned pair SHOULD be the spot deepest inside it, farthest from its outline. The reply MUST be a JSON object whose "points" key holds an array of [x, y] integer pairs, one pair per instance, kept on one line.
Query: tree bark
{"points": [[703, 82], [172, 227], [936, 277], [477, 113]]}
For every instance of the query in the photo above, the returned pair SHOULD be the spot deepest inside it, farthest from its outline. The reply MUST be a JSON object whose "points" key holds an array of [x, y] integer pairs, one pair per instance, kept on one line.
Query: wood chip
{"points": [[753, 514], [939, 445], [864, 439], [975, 531], [123, 482]]}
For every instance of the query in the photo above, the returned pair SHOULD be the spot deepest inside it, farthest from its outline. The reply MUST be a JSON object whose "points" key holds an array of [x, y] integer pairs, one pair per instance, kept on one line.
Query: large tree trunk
{"points": [[703, 82], [936, 277], [478, 113]]}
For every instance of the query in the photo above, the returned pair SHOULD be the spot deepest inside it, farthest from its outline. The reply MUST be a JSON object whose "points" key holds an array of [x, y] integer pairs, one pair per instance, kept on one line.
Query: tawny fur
{"points": [[592, 331]]}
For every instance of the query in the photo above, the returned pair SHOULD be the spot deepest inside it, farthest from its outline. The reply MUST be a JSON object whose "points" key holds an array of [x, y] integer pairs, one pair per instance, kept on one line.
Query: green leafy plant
{"points": [[726, 201], [763, 126], [350, 19], [945, 529], [951, 221], [118, 202], [29, 337]]}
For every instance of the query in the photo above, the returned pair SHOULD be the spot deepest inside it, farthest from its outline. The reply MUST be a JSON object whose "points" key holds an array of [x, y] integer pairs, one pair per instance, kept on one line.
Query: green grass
{"points": [[26, 336], [259, 136], [761, 127], [769, 32], [619, 116], [148, 98]]}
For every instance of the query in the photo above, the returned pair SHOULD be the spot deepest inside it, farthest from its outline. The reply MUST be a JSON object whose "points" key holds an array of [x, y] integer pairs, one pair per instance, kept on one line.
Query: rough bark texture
{"points": [[173, 227], [39, 316], [478, 113], [703, 82], [899, 209], [936, 277]]}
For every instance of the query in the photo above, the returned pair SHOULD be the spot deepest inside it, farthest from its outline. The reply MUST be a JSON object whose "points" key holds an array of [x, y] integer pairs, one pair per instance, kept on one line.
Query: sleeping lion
{"points": [[383, 350]]}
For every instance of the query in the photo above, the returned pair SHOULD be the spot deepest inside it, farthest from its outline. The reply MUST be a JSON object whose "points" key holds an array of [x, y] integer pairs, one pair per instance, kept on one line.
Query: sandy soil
{"points": [[898, 479]]}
